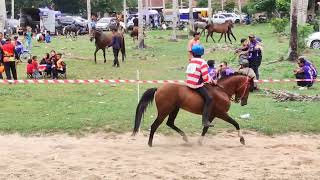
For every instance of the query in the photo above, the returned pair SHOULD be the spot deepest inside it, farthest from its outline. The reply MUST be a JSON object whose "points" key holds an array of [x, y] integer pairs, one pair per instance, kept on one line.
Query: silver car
{"points": [[105, 23]]}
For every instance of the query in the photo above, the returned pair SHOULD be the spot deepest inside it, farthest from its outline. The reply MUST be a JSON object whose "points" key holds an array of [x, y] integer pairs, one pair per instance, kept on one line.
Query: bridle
{"points": [[246, 84]]}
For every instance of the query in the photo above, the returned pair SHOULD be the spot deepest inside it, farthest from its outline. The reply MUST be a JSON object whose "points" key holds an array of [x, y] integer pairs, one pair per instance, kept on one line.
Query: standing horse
{"points": [[224, 28], [72, 30], [102, 41], [170, 98]]}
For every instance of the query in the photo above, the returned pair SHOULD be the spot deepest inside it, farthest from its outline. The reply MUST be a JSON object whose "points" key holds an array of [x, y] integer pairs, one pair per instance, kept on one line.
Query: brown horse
{"points": [[170, 98], [102, 41], [224, 28], [134, 33]]}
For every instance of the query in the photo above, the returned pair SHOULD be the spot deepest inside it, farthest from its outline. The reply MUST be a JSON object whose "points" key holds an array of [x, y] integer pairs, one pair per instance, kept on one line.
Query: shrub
{"points": [[279, 24]]}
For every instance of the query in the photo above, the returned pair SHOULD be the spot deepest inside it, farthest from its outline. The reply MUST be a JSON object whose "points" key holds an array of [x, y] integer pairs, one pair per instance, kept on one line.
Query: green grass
{"points": [[30, 109]]}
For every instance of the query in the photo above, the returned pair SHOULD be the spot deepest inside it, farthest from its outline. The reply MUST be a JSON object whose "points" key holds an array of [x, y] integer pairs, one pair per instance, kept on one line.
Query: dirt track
{"points": [[110, 156]]}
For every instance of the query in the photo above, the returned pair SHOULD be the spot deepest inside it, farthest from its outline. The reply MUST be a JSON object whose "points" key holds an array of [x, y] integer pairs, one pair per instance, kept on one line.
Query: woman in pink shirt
{"points": [[192, 42]]}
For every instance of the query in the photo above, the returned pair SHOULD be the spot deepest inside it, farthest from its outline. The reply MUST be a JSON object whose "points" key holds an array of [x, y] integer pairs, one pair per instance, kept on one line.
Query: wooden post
{"points": [[175, 20]]}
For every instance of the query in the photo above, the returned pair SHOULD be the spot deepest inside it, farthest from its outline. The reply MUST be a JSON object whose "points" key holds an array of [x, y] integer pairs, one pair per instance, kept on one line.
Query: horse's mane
{"points": [[230, 76]]}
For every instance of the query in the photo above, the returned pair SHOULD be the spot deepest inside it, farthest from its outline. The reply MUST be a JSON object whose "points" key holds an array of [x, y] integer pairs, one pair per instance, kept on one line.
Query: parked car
{"points": [[313, 40], [231, 16], [105, 23], [219, 19], [262, 18]]}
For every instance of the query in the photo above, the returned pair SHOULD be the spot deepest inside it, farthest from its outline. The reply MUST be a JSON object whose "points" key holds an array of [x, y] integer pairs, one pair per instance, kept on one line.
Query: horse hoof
{"points": [[185, 138], [150, 144], [242, 141]]}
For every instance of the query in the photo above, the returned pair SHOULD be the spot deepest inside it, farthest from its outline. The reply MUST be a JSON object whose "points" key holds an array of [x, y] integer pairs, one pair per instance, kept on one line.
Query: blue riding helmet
{"points": [[197, 50]]}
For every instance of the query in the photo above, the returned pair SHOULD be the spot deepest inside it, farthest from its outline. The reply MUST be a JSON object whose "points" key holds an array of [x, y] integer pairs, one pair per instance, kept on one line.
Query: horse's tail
{"points": [[123, 47], [145, 100]]}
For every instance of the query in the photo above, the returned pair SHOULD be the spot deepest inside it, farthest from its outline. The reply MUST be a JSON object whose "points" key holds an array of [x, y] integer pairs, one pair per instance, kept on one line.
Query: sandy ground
{"points": [[111, 156]]}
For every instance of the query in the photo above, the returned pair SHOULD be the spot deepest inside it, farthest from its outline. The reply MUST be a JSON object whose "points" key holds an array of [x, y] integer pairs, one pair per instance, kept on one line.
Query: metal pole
{"points": [[138, 85], [12, 9], [89, 14]]}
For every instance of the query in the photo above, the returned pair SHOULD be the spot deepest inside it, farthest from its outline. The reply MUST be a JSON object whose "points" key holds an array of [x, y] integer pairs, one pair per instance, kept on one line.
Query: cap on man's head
{"points": [[301, 57], [251, 36], [243, 62]]}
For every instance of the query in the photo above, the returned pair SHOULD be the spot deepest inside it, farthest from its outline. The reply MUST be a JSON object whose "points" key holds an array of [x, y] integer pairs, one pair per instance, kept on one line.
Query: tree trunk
{"points": [[175, 20], [191, 21], [302, 10], [89, 14], [209, 11], [125, 12], [147, 12], [12, 9], [240, 10], [140, 19], [222, 5], [2, 15], [293, 51]]}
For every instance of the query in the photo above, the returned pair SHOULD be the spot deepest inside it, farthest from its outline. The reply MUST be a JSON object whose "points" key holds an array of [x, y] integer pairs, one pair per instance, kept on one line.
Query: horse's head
{"points": [[242, 92], [94, 34]]}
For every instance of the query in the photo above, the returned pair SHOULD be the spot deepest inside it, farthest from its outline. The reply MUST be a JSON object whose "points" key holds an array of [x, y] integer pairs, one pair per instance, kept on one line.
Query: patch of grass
{"points": [[29, 109]]}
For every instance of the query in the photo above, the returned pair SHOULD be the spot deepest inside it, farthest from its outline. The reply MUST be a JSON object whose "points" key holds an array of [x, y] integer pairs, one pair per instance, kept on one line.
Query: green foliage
{"points": [[203, 3], [230, 5], [283, 5], [303, 33], [279, 24]]}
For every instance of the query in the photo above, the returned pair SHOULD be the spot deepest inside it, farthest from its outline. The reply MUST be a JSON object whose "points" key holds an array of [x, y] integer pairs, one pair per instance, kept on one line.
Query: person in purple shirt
{"points": [[212, 69], [312, 66], [304, 72], [224, 70]]}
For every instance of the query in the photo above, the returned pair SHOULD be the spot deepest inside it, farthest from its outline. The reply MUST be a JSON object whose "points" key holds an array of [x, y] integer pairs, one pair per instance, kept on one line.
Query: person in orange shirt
{"points": [[192, 42], [9, 60]]}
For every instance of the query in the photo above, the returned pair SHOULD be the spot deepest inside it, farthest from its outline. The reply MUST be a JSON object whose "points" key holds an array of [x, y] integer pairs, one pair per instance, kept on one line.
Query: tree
{"points": [[175, 20], [293, 51], [141, 44], [2, 15], [230, 5]]}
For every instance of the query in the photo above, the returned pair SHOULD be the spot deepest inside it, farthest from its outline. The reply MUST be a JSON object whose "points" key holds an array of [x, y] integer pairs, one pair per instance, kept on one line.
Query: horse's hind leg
{"points": [[212, 38], [154, 127], [233, 35], [170, 123], [204, 132], [228, 33], [228, 119], [220, 37]]}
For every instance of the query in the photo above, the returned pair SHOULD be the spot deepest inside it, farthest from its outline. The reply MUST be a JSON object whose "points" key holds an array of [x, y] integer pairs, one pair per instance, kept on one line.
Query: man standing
{"points": [[8, 59], [192, 42], [116, 46], [254, 54]]}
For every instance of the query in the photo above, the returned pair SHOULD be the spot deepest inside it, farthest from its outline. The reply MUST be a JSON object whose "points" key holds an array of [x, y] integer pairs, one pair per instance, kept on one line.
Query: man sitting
{"points": [[224, 71], [304, 72], [246, 70], [59, 68], [311, 65]]}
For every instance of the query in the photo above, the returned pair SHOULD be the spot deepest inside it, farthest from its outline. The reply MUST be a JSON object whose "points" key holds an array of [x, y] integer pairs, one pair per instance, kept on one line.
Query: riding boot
{"points": [[207, 106]]}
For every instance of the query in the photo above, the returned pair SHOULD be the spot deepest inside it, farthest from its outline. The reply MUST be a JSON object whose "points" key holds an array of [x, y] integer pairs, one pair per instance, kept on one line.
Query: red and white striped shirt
{"points": [[197, 73]]}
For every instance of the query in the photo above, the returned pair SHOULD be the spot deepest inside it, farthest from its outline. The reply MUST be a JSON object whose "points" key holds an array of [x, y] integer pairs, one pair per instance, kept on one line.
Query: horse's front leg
{"points": [[228, 119], [95, 55], [104, 55], [204, 132], [220, 37], [228, 33]]}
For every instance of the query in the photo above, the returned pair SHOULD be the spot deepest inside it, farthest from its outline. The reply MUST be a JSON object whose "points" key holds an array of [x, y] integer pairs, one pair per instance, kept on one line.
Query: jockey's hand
{"points": [[214, 82]]}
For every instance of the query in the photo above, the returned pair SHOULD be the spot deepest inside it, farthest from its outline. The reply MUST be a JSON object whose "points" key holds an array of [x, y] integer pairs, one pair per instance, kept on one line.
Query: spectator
{"points": [[246, 70], [30, 68], [116, 46], [224, 71], [2, 40], [28, 38], [59, 67], [243, 50], [35, 66], [48, 37], [9, 60], [212, 69], [192, 42], [254, 54], [303, 72], [1, 69], [312, 66]]}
